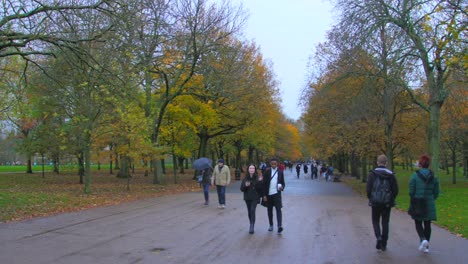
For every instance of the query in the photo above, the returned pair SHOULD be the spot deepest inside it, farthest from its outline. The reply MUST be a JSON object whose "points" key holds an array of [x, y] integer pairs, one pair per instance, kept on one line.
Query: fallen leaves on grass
{"points": [[24, 196]]}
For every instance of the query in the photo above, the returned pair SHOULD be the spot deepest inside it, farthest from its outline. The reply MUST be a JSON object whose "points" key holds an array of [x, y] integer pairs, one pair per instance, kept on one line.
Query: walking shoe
{"points": [[220, 206], [424, 244], [426, 250], [223, 206], [251, 230], [379, 244], [280, 229], [384, 245], [270, 228]]}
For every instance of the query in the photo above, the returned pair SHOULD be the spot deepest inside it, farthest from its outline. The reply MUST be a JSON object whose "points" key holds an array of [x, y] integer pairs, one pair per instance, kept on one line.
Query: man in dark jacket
{"points": [[273, 179], [382, 189]]}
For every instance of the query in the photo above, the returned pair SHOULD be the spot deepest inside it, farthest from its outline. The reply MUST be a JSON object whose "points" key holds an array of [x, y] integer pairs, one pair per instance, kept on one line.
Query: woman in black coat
{"points": [[252, 187]]}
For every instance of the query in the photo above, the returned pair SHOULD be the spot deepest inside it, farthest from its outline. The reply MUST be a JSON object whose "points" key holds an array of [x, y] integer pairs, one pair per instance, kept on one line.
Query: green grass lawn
{"points": [[452, 204], [23, 196]]}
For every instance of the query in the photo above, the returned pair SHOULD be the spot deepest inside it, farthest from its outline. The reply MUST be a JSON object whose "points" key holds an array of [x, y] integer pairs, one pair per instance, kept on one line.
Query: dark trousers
{"points": [[424, 233], [381, 213], [221, 194], [275, 201], [206, 191], [251, 208]]}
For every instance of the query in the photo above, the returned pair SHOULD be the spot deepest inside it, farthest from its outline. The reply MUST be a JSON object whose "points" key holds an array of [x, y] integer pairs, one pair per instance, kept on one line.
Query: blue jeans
{"points": [[221, 194], [206, 191]]}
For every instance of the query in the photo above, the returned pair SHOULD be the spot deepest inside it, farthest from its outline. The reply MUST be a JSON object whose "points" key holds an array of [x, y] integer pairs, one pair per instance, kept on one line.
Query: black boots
{"points": [[251, 230]]}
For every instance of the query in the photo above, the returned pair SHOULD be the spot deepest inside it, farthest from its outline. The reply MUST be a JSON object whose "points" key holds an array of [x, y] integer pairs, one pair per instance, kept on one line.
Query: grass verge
{"points": [[452, 204], [23, 196]]}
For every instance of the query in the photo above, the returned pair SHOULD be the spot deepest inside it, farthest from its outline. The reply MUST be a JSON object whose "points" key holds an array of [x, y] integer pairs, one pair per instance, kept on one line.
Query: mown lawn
{"points": [[23, 196], [452, 204]]}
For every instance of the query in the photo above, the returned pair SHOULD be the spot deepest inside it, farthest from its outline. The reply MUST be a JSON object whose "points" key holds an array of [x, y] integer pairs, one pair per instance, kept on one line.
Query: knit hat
{"points": [[221, 161]]}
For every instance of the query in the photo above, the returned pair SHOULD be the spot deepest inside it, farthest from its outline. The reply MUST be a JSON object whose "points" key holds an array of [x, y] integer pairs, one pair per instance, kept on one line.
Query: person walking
{"points": [[273, 186], [298, 169], [206, 183], [252, 187], [221, 178], [382, 189], [423, 184]]}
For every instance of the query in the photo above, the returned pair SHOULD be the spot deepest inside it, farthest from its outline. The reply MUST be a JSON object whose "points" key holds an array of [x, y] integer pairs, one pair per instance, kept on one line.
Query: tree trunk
{"points": [[43, 172], [29, 165], [56, 164], [364, 168], [174, 168], [110, 164], [454, 162], [181, 164], [124, 171], [250, 155], [87, 167], [434, 136], [202, 149], [81, 169], [158, 176]]}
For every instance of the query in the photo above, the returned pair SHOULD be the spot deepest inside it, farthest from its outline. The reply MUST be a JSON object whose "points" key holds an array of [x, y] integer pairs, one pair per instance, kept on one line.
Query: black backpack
{"points": [[381, 193]]}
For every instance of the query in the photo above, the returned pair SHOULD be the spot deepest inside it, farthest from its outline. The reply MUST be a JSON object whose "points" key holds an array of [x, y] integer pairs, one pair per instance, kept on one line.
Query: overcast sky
{"points": [[287, 33]]}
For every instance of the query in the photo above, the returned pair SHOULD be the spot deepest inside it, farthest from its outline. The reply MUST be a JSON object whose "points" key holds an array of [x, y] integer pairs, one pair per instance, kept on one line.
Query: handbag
{"points": [[418, 207], [263, 202], [199, 178]]}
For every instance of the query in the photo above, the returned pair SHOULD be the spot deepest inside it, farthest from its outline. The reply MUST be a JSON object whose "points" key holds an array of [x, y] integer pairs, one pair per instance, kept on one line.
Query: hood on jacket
{"points": [[383, 172]]}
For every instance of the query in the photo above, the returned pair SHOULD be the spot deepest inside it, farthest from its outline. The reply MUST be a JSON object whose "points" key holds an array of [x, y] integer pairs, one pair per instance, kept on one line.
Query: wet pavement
{"points": [[323, 222]]}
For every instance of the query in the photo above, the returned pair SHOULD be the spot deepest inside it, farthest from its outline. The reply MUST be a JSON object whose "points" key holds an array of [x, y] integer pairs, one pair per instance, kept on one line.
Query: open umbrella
{"points": [[202, 163]]}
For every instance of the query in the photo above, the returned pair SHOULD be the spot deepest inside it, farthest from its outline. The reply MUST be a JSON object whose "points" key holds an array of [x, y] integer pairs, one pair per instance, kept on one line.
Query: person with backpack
{"points": [[423, 184], [382, 189]]}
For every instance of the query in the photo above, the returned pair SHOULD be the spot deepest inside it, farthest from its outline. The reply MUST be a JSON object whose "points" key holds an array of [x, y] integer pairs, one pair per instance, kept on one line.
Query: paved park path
{"points": [[323, 223]]}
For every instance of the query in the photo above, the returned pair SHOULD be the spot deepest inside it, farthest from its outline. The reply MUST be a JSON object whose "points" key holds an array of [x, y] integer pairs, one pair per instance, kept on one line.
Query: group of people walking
{"points": [[382, 190], [264, 188]]}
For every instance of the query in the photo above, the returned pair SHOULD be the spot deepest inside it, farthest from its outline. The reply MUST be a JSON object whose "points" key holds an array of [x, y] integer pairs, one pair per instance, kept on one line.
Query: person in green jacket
{"points": [[423, 184]]}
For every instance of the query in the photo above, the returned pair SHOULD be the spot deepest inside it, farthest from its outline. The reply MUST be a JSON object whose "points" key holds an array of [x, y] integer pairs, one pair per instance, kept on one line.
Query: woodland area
{"points": [[135, 81], [391, 78]]}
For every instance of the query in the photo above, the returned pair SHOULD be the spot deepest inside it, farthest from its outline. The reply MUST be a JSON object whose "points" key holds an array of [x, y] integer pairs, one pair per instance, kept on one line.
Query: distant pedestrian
{"points": [[314, 171], [330, 173], [273, 186], [298, 169], [221, 178], [252, 187], [382, 189], [423, 184], [206, 182], [306, 169]]}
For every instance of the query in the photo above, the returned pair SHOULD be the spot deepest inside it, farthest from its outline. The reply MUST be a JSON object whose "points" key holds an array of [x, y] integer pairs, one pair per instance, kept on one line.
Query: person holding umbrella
{"points": [[203, 165]]}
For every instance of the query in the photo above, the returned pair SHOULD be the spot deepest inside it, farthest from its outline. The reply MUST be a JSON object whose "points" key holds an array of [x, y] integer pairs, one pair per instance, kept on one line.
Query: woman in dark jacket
{"points": [[423, 184], [206, 183], [252, 187]]}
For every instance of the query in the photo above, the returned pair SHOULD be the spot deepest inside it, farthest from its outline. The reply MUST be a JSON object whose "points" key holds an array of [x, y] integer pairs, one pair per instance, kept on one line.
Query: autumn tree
{"points": [[433, 33]]}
